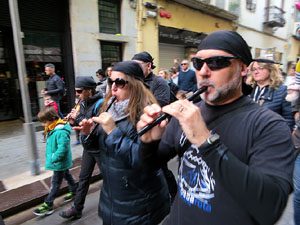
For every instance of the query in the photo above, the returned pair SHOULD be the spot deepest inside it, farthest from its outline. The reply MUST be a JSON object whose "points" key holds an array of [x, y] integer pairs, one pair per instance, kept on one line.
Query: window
{"points": [[297, 16], [257, 52], [2, 58], [109, 16], [234, 7], [111, 52], [42, 47], [277, 56], [220, 4], [251, 5]]}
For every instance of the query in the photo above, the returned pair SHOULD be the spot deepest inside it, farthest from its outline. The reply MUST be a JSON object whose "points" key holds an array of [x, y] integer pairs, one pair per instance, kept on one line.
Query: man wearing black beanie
{"points": [[158, 86], [161, 91], [236, 158], [90, 105]]}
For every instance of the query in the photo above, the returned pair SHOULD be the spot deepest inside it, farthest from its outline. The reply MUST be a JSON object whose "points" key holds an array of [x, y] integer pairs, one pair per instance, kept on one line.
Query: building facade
{"points": [[267, 32], [173, 29], [78, 37]]}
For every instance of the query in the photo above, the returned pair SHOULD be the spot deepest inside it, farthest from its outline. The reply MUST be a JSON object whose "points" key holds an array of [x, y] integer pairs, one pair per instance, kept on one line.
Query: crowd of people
{"points": [[237, 150]]}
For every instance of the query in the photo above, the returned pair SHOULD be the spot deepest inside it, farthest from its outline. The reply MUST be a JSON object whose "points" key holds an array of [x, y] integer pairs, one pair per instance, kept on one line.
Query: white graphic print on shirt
{"points": [[195, 180]]}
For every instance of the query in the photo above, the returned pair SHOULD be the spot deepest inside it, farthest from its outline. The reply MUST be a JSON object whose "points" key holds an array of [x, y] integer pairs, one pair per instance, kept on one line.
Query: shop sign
{"points": [[180, 36]]}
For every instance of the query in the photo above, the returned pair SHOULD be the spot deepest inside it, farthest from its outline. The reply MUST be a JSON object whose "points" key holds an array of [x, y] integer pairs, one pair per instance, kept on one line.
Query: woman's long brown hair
{"points": [[140, 97]]}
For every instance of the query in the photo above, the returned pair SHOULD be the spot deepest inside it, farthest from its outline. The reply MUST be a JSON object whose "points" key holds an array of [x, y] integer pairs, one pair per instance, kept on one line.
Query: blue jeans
{"points": [[56, 181], [297, 191]]}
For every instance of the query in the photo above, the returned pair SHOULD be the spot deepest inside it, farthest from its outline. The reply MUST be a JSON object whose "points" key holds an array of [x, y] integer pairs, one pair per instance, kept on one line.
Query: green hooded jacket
{"points": [[58, 151]]}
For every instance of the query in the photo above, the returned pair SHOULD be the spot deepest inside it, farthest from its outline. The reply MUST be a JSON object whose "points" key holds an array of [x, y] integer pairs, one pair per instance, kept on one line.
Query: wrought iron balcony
{"points": [[274, 17]]}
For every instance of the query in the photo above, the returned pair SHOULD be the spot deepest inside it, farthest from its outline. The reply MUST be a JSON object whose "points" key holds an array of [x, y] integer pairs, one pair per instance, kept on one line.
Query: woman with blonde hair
{"points": [[268, 89], [173, 87], [130, 193]]}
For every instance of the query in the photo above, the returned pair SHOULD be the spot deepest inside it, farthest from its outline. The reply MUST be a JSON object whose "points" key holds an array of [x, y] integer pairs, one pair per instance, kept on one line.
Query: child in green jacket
{"points": [[58, 157]]}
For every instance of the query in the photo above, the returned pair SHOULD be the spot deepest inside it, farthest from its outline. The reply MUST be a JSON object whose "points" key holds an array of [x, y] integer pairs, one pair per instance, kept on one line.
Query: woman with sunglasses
{"points": [[268, 89], [130, 194]]}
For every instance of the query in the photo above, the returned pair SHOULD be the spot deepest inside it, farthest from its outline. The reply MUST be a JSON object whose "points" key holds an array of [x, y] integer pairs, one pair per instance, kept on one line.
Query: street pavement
{"points": [[14, 163], [14, 155]]}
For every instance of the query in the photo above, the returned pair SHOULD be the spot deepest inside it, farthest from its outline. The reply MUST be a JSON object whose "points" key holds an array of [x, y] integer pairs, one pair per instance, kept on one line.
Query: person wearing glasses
{"points": [[187, 78], [90, 104], [236, 158], [268, 89], [130, 193]]}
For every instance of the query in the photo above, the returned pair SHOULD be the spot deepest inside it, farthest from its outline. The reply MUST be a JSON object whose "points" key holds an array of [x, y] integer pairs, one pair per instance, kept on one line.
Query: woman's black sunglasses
{"points": [[119, 82], [213, 63]]}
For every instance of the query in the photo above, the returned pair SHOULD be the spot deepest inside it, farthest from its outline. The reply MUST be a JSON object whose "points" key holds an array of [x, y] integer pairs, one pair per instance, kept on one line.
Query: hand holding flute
{"points": [[188, 115], [97, 124]]}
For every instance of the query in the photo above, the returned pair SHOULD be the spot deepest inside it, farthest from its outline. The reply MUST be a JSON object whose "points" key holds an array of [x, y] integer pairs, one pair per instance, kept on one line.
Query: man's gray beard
{"points": [[223, 93]]}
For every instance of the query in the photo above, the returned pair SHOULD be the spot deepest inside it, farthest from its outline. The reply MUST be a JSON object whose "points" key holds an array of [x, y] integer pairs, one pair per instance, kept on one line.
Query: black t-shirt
{"points": [[235, 180]]}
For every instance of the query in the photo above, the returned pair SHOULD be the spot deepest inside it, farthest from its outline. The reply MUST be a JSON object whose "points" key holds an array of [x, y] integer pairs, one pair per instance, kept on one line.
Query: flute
{"points": [[68, 116], [165, 116], [96, 125]]}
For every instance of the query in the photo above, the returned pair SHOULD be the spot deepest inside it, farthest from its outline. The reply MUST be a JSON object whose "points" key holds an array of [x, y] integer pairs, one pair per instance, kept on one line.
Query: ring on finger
{"points": [[181, 108]]}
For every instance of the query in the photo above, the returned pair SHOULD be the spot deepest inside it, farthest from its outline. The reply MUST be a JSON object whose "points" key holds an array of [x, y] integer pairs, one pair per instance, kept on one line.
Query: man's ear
{"points": [[244, 69]]}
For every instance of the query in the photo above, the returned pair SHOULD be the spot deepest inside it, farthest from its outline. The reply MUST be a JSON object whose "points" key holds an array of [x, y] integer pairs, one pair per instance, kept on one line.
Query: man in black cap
{"points": [[161, 91], [90, 104], [236, 157], [158, 86]]}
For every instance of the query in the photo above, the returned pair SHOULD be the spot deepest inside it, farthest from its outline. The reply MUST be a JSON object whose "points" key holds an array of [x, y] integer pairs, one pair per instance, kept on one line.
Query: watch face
{"points": [[213, 138]]}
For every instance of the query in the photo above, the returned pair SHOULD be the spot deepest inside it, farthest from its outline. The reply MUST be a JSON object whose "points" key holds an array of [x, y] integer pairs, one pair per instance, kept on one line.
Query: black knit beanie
{"points": [[85, 82], [144, 57]]}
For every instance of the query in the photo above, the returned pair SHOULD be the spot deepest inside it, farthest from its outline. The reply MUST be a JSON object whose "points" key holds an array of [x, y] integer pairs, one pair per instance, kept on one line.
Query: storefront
{"points": [[46, 39], [177, 44]]}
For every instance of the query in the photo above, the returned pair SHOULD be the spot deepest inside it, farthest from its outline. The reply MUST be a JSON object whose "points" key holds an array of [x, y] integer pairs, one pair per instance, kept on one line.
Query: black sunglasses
{"points": [[119, 82], [213, 63], [79, 91]]}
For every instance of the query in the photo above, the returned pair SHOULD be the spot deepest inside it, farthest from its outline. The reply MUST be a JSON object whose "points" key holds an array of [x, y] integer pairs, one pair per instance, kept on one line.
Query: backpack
{"points": [[64, 92], [100, 101]]}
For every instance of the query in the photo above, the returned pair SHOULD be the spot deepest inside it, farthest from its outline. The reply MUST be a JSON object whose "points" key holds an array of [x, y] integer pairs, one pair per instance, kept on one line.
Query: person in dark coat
{"points": [[55, 86], [268, 89], [158, 86], [130, 194], [161, 91], [90, 104]]}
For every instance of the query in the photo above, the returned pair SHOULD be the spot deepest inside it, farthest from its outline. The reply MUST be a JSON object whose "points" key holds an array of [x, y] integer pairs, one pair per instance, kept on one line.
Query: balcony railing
{"points": [[274, 17]]}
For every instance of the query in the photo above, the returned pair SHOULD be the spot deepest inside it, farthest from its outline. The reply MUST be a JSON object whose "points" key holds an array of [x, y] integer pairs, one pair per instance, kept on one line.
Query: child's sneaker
{"points": [[69, 197], [43, 210]]}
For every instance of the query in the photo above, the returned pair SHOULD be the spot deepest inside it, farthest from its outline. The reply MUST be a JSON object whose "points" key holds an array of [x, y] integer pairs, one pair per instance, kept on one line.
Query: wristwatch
{"points": [[212, 138], [209, 141]]}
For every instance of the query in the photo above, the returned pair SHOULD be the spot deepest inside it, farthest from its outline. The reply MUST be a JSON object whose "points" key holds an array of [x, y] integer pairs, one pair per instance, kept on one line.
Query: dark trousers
{"points": [[58, 108], [88, 162], [171, 181], [56, 181]]}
